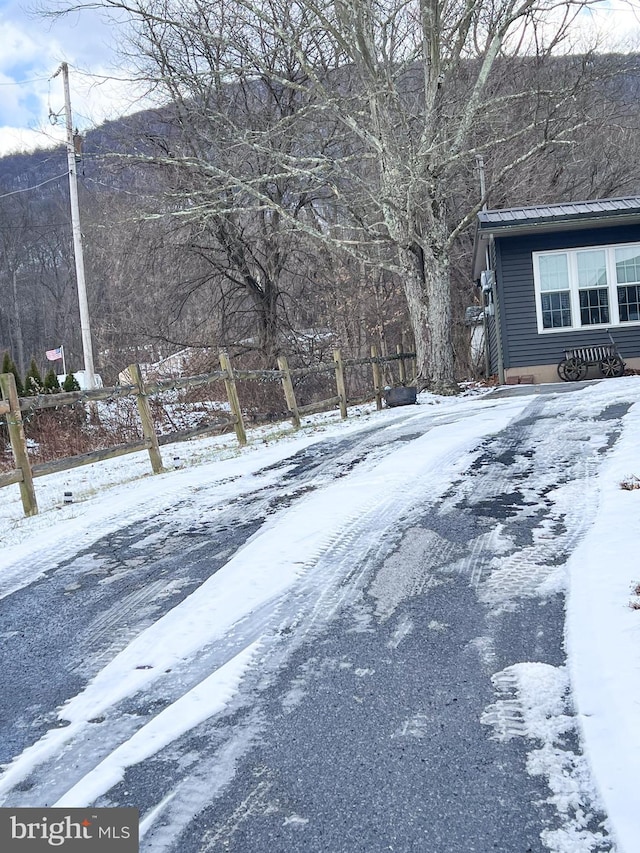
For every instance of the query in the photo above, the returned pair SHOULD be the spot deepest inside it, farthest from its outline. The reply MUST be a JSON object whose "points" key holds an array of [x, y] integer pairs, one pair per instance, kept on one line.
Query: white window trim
{"points": [[572, 265]]}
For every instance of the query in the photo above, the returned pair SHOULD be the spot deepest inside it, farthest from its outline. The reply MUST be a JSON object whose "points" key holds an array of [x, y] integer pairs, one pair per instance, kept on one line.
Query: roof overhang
{"points": [[525, 221]]}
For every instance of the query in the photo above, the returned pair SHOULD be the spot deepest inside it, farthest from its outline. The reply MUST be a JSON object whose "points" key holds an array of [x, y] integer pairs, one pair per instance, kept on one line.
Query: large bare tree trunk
{"points": [[427, 289], [414, 289], [438, 292], [266, 308]]}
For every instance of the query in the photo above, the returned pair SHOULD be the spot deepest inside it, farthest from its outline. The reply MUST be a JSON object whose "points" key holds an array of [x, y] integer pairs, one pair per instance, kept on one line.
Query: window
{"points": [[592, 288], [555, 292], [580, 288], [628, 280]]}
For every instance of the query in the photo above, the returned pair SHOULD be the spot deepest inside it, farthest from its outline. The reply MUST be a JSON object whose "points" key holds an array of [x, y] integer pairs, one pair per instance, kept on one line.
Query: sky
{"points": [[599, 579], [32, 48]]}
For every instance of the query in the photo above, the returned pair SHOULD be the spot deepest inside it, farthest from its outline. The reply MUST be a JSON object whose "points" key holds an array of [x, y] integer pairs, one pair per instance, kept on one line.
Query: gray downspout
{"points": [[498, 319], [485, 331]]}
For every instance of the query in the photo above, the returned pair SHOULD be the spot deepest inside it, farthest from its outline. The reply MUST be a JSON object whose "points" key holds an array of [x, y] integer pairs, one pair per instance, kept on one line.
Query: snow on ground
{"points": [[113, 494], [603, 637], [242, 586], [603, 628]]}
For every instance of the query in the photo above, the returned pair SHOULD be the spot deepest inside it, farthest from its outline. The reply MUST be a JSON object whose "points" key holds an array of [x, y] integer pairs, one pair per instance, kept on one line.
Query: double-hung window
{"points": [[593, 289], [555, 290], [586, 287], [628, 282]]}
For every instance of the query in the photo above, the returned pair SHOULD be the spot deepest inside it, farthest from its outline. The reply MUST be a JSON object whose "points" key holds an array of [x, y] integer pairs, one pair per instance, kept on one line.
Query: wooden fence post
{"points": [[19, 444], [144, 410], [289, 393], [340, 383], [402, 370], [377, 377], [232, 394]]}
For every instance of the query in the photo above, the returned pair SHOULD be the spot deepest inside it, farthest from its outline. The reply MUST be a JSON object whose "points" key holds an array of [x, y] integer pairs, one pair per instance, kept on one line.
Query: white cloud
{"points": [[14, 140], [33, 49], [618, 24], [18, 47]]}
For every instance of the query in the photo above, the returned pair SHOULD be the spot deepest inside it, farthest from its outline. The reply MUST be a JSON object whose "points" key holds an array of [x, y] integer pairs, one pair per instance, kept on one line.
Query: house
{"points": [[558, 277]]}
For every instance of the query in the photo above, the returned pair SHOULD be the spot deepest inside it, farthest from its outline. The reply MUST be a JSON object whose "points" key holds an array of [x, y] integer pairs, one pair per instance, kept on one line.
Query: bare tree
{"points": [[218, 151], [36, 278], [356, 122]]}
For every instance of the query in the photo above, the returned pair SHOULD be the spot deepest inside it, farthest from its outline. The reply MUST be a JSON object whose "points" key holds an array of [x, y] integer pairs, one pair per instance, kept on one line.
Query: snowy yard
{"points": [[303, 562]]}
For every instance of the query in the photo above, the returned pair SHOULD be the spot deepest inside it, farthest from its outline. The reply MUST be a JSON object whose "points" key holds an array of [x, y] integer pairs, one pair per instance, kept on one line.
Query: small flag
{"points": [[54, 354]]}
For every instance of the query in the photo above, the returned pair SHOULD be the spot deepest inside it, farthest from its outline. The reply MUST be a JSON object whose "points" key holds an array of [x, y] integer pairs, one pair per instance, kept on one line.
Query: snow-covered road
{"points": [[349, 642]]}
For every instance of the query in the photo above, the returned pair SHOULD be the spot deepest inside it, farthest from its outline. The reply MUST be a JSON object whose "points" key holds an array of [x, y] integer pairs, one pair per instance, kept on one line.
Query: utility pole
{"points": [[85, 328]]}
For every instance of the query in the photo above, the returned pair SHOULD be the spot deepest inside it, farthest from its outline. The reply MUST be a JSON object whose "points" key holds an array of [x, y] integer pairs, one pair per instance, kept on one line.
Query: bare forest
{"points": [[308, 179]]}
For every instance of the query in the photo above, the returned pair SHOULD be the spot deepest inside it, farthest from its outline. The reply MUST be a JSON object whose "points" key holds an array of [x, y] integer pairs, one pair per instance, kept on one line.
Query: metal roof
{"points": [[567, 216], [525, 218]]}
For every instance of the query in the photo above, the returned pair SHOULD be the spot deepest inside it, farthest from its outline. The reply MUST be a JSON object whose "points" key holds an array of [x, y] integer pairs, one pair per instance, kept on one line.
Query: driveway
{"points": [[403, 626]]}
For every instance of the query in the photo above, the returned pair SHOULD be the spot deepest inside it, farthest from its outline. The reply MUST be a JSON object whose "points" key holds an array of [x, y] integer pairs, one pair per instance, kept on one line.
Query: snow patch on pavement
{"points": [[209, 697], [534, 702]]}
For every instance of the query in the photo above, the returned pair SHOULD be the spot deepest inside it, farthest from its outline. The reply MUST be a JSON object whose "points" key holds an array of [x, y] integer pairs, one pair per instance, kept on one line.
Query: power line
{"points": [[24, 82], [49, 226], [36, 186]]}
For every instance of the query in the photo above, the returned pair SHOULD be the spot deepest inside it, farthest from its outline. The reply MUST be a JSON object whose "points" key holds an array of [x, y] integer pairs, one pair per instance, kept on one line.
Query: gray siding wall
{"points": [[522, 344]]}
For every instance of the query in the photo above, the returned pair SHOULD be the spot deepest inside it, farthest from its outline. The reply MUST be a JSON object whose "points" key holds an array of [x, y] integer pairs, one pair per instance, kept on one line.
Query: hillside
{"points": [[168, 266]]}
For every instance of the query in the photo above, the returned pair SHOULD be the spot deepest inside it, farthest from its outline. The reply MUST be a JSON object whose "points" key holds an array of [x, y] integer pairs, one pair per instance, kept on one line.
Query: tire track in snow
{"points": [[328, 575], [334, 579], [561, 495], [111, 592]]}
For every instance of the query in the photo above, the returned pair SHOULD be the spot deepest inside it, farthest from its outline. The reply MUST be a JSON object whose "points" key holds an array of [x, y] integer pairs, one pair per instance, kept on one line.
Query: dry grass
{"points": [[74, 430]]}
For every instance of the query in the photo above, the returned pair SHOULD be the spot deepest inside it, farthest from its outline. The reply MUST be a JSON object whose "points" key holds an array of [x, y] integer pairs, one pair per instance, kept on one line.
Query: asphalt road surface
{"points": [[363, 724]]}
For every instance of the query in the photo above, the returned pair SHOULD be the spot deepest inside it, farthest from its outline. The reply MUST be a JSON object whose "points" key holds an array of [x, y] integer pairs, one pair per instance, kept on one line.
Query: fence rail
{"points": [[41, 469], [12, 407], [68, 398]]}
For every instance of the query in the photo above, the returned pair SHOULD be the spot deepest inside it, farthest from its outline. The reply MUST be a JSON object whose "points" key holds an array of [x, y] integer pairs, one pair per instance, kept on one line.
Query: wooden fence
{"points": [[12, 408]]}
